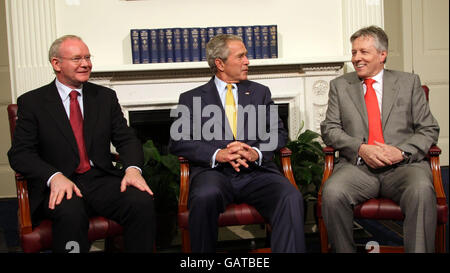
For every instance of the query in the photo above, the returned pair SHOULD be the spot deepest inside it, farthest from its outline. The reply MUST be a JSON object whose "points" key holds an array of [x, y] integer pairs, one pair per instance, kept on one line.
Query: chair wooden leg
{"points": [[185, 241], [323, 236], [440, 239]]}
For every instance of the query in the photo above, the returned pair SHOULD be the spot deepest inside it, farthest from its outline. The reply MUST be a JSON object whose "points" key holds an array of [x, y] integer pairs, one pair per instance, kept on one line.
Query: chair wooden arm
{"points": [[433, 154], [285, 155], [25, 225], [184, 184], [328, 168]]}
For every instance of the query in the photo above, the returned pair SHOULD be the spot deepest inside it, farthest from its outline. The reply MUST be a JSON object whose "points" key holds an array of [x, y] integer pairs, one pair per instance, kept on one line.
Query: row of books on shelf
{"points": [[189, 44]]}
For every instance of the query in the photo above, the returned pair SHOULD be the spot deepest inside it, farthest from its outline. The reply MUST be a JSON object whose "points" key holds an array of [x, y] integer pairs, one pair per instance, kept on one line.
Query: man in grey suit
{"points": [[382, 151]]}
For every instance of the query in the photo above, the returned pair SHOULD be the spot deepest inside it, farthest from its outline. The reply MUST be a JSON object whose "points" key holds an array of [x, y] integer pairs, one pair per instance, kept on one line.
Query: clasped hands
{"points": [[61, 186], [380, 155], [237, 154]]}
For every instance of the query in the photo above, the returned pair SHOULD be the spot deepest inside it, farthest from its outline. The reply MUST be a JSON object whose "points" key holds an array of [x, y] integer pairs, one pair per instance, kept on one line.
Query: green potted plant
{"points": [[307, 163], [162, 175]]}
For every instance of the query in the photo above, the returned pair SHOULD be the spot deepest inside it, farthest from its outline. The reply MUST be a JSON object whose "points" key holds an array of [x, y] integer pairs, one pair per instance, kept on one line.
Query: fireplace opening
{"points": [[155, 125]]}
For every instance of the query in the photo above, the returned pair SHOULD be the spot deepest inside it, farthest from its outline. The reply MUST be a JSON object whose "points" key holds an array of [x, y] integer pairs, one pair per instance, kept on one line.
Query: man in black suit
{"points": [[62, 146], [232, 163]]}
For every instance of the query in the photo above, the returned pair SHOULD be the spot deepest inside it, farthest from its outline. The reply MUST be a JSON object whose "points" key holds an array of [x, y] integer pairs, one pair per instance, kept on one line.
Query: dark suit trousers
{"points": [[270, 193], [133, 209]]}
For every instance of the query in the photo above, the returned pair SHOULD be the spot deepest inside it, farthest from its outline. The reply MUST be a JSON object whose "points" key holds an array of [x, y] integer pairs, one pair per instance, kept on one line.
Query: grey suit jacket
{"points": [[407, 122]]}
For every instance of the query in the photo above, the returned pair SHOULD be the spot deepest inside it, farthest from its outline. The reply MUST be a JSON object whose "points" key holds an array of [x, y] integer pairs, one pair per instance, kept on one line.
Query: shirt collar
{"points": [[378, 77], [221, 85], [64, 90]]}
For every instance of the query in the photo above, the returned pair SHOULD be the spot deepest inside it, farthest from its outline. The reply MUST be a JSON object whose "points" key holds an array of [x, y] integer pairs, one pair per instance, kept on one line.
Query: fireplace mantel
{"points": [[303, 84]]}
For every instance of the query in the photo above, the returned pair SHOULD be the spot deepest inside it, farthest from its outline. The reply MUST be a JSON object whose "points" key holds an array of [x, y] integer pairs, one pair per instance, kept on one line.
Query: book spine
{"points": [[195, 44], [185, 42], [177, 45], [273, 41], [239, 31], [248, 42], [143, 49], [257, 41], [203, 41], [211, 34], [169, 45], [135, 54], [161, 45], [229, 30], [154, 58], [219, 30], [265, 44]]}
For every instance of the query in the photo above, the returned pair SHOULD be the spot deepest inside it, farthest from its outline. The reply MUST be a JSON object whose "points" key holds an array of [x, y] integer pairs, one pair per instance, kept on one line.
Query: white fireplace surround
{"points": [[303, 86]]}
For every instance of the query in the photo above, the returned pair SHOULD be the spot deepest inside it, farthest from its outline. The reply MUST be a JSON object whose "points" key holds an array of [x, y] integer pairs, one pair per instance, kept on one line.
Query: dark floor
{"points": [[237, 238]]}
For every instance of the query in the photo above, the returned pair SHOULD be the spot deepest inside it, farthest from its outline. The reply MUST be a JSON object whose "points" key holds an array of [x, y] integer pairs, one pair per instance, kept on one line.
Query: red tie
{"points": [[373, 112], [76, 121]]}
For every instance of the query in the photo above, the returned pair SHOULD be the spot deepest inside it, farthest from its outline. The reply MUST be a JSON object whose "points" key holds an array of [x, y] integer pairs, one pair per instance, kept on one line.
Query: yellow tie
{"points": [[230, 109]]}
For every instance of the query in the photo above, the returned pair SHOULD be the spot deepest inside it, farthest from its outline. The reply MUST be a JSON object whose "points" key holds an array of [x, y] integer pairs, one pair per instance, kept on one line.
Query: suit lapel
{"points": [[210, 96], [244, 99], [90, 105], [390, 93], [56, 110], [356, 93]]}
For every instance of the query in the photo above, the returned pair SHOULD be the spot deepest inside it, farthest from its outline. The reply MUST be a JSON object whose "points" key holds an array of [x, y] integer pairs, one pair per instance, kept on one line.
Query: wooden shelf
{"points": [[204, 65]]}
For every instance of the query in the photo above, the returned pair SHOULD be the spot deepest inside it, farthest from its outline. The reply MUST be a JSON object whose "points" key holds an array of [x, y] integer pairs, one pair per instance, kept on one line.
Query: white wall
{"points": [[306, 28]]}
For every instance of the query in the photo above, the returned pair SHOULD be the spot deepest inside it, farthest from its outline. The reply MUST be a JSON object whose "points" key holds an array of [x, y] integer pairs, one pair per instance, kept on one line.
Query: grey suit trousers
{"points": [[409, 185]]}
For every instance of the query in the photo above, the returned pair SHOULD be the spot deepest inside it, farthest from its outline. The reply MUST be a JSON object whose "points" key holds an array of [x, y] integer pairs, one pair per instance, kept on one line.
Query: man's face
{"points": [[235, 69], [366, 59], [73, 65]]}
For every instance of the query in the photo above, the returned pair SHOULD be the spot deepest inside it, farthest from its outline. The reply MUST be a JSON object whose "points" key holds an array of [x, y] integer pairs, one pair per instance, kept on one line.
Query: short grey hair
{"points": [[217, 48], [53, 52], [378, 34]]}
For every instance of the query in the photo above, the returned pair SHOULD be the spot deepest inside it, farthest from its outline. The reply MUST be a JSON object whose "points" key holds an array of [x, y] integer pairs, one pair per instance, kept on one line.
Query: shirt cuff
{"points": [[48, 181], [213, 159], [260, 156], [139, 169]]}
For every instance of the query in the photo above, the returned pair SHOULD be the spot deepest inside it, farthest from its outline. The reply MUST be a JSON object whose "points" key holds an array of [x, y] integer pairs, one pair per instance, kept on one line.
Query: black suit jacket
{"points": [[199, 152], [44, 142]]}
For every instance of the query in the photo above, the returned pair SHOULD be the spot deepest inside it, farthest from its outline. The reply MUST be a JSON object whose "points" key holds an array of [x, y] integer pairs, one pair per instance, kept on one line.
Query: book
{"points": [[219, 30], [161, 45], [203, 41], [210, 31], [153, 45], [273, 40], [177, 45], [169, 44], [135, 54], [185, 33], [143, 46], [257, 41], [239, 31], [265, 50], [194, 45], [229, 30], [248, 42]]}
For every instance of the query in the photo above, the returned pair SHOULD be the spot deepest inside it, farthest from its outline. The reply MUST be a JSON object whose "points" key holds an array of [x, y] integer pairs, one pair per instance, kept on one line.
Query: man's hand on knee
{"points": [[134, 178], [60, 186]]}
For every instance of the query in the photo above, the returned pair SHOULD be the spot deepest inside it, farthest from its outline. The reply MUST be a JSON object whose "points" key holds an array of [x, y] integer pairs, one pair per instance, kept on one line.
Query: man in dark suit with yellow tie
{"points": [[62, 145], [234, 164], [381, 123]]}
